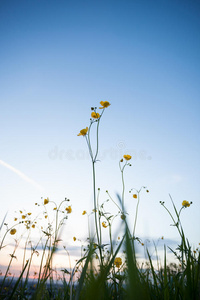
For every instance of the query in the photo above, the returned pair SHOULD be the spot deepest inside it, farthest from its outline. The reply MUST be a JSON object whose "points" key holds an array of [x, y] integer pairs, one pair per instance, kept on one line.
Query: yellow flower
{"points": [[55, 208], [74, 238], [45, 216], [135, 196], [185, 203], [68, 209], [33, 226], [147, 191], [95, 115], [84, 212], [104, 224], [118, 262], [23, 217], [20, 212], [127, 157], [83, 131], [46, 201], [29, 213], [104, 104], [15, 219], [13, 231]]}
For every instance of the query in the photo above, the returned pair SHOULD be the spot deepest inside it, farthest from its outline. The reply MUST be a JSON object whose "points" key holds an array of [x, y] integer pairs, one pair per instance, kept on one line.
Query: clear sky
{"points": [[59, 58]]}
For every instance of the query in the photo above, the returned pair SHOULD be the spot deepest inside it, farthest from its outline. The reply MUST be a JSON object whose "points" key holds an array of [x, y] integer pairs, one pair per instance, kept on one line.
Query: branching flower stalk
{"points": [[136, 196], [96, 117], [127, 158]]}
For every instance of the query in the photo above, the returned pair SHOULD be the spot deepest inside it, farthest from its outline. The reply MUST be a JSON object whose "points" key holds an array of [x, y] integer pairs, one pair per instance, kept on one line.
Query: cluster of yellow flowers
{"points": [[94, 115]]}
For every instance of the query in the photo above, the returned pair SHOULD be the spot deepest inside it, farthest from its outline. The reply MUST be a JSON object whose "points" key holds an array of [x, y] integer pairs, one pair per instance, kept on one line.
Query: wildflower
{"points": [[46, 201], [121, 160], [13, 231], [29, 213], [95, 115], [118, 237], [135, 196], [147, 191], [23, 217], [74, 238], [104, 104], [35, 203], [127, 157], [162, 237], [45, 216], [15, 219], [33, 226], [55, 208], [84, 212], [20, 211], [118, 262], [185, 203], [142, 244], [68, 209], [83, 131], [104, 225]]}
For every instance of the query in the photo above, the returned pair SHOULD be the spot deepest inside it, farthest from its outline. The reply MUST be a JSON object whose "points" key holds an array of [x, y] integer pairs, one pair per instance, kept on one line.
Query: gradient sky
{"points": [[59, 58]]}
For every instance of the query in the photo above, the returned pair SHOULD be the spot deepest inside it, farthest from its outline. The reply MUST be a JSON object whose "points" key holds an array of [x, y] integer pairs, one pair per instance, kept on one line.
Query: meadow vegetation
{"points": [[105, 270]]}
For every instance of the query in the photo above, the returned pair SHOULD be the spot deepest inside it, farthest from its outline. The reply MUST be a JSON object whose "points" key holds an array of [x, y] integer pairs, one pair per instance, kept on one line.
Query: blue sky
{"points": [[59, 58]]}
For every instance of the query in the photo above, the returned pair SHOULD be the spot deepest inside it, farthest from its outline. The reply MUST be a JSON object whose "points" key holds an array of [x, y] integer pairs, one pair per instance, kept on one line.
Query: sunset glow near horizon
{"points": [[59, 59]]}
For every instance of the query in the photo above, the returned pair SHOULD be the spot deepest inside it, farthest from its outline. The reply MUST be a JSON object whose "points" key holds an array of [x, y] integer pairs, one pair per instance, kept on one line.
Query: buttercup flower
{"points": [[118, 262], [74, 238], [13, 231], [127, 157], [29, 213], [46, 201], [104, 224], [135, 196], [15, 219], [23, 217], [185, 203], [83, 131], [68, 209], [33, 226], [104, 104], [95, 115], [84, 212]]}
